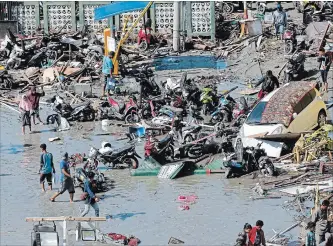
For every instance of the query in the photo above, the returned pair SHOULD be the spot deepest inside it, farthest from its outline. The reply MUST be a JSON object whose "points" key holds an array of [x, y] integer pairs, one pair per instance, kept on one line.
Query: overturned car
{"points": [[282, 116]]}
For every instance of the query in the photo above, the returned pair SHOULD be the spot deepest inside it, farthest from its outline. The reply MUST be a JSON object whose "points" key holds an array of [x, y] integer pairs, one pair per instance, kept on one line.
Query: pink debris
{"points": [[184, 207], [191, 198]]}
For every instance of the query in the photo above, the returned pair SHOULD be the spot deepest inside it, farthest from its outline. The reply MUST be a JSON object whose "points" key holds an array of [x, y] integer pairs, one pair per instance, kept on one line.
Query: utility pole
{"points": [[176, 24]]}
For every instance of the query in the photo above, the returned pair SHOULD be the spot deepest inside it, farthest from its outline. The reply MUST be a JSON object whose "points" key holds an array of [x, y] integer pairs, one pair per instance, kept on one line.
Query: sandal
{"points": [[52, 200]]}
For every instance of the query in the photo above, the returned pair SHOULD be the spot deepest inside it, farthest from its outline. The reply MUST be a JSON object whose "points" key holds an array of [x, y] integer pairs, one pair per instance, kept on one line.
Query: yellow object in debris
{"points": [[311, 146], [2, 68], [107, 33]]}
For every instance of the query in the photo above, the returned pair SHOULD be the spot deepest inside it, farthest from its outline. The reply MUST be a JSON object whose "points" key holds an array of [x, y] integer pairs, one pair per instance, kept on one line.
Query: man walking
{"points": [[319, 217], [107, 70], [280, 21], [46, 167], [325, 62], [91, 199], [65, 179], [34, 97]]}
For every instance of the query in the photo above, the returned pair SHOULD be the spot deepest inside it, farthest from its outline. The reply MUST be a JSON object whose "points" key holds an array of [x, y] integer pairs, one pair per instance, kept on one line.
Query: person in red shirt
{"points": [[34, 97], [256, 235]]}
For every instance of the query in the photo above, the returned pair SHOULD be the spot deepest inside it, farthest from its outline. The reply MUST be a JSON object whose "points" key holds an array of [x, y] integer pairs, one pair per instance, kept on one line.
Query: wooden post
{"points": [[64, 227]]}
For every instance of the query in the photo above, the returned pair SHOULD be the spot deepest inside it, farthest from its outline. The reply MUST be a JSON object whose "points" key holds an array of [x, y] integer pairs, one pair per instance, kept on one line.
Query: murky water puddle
{"points": [[146, 207]]}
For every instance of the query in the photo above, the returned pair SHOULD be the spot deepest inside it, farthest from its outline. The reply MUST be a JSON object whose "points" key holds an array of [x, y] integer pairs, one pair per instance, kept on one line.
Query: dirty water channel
{"points": [[146, 207]]}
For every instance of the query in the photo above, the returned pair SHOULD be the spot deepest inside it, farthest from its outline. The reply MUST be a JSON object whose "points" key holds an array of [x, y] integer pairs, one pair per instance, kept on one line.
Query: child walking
{"points": [[310, 239]]}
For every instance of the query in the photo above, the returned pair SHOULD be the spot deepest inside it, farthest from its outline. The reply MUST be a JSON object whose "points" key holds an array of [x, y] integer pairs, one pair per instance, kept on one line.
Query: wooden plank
{"points": [[62, 218]]}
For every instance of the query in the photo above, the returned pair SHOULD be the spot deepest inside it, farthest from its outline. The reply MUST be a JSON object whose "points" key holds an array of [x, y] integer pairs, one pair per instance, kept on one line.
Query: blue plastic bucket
{"points": [[139, 131]]}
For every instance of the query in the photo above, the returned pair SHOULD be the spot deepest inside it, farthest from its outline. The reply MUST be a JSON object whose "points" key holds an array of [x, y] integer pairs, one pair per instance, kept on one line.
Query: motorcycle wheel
{"points": [[8, 83], [132, 118], [288, 47], [143, 46], [270, 171], [194, 151], [124, 58], [2, 55], [215, 119], [146, 114], [131, 161], [188, 139]]}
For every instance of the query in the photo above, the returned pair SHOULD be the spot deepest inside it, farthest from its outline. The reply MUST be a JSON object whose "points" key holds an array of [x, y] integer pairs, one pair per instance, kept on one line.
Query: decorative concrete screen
{"points": [[201, 19], [58, 15], [163, 16], [88, 16], [135, 15], [26, 18]]}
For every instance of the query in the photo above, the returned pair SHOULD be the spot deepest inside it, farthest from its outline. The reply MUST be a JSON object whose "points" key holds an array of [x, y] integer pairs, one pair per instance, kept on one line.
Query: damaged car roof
{"points": [[280, 104]]}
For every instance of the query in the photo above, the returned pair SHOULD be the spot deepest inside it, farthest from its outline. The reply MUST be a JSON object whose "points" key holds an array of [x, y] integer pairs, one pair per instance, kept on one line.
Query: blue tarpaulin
{"points": [[118, 8]]}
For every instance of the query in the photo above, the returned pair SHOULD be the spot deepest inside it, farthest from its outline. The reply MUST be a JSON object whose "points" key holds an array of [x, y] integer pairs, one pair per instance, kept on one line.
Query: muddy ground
{"points": [[146, 207]]}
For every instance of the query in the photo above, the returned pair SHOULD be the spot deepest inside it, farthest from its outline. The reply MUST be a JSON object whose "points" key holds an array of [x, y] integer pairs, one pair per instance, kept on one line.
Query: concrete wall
{"points": [[7, 24]]}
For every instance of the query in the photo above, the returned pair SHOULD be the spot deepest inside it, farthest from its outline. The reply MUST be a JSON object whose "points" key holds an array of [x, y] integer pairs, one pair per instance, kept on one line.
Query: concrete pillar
{"points": [[176, 25]]}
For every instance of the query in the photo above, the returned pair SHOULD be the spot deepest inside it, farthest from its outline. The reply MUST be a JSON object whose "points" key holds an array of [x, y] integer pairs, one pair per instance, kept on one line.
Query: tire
{"points": [[194, 152], [132, 118], [288, 47], [146, 114], [9, 83], [215, 119], [131, 161], [143, 46], [124, 58], [270, 171], [169, 153], [321, 119], [188, 139]]}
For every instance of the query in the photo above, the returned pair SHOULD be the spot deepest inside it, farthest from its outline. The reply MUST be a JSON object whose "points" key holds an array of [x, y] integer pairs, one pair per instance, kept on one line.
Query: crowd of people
{"points": [[47, 170]]}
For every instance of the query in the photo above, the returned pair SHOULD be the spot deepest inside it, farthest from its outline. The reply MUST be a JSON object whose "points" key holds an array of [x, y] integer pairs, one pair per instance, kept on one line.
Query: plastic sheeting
{"points": [[118, 8]]}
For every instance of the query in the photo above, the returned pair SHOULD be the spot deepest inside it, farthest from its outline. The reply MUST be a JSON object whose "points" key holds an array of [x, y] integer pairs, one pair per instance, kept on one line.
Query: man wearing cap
{"points": [[65, 179], [34, 97]]}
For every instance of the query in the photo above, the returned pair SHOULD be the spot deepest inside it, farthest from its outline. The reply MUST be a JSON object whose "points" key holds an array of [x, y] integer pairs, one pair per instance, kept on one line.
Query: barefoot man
{"points": [[65, 179], [46, 167]]}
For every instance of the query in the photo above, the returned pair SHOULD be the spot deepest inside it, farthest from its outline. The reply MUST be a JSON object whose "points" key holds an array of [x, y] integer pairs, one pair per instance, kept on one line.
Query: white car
{"points": [[294, 108]]}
